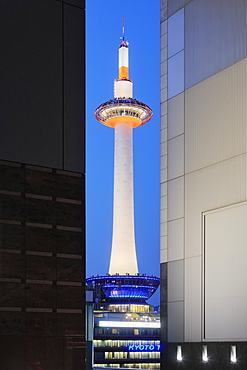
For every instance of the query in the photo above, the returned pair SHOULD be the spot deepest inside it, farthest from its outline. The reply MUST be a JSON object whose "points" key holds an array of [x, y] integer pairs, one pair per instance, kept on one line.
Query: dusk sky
{"points": [[103, 31]]}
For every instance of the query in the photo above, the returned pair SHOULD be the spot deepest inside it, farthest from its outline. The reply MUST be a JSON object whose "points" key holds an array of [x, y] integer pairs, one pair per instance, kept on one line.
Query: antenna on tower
{"points": [[123, 28], [124, 43]]}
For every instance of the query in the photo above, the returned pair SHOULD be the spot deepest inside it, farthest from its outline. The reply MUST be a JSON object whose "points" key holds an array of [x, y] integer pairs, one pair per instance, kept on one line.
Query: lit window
{"points": [[136, 331]]}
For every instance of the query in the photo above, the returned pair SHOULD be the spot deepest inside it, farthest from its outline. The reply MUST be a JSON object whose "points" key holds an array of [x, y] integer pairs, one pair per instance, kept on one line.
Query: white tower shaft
{"points": [[123, 253], [123, 113]]}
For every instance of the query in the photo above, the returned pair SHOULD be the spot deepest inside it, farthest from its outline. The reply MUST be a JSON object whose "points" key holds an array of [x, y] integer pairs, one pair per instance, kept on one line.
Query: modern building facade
{"points": [[42, 177], [203, 183], [127, 339]]}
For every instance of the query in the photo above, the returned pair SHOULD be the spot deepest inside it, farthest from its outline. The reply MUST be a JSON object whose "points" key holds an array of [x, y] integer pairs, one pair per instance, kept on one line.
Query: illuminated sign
{"points": [[144, 347], [129, 324]]}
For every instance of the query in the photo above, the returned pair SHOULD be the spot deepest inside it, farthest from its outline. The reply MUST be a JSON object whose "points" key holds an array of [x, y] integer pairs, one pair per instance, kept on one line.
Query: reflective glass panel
{"points": [[176, 33], [176, 74]]}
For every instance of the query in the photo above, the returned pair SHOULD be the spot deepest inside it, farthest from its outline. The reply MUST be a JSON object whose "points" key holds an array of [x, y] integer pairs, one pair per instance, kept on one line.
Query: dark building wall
{"points": [[42, 103], [42, 269], [42, 185]]}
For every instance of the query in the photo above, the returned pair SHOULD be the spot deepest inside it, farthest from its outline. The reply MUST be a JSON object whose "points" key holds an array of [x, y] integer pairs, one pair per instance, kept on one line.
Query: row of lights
{"points": [[233, 354]]}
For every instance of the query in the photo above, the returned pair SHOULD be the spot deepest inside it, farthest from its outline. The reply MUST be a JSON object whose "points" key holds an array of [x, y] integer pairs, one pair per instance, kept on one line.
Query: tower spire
{"points": [[123, 28], [123, 43]]}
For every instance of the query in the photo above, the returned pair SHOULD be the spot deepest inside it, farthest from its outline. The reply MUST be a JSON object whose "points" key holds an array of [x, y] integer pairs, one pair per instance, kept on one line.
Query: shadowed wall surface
{"points": [[42, 301], [42, 185]]}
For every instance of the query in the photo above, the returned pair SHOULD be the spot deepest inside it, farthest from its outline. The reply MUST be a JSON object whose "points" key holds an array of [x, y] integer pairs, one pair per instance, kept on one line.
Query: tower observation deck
{"points": [[123, 113]]}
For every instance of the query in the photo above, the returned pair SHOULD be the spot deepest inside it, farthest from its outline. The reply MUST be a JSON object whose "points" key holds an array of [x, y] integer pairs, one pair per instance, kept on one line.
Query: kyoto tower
{"points": [[123, 113]]}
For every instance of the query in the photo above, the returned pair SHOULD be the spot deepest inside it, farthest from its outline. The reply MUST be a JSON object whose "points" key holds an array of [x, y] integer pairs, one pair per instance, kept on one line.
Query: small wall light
{"points": [[179, 353], [204, 353], [233, 354]]}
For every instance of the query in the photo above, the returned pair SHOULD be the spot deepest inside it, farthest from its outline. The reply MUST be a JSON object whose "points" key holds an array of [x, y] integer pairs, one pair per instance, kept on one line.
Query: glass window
{"points": [[176, 33], [99, 355], [176, 74]]}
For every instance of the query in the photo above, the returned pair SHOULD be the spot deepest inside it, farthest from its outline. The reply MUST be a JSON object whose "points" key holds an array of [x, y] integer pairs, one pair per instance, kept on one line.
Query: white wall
{"points": [[203, 152], [225, 275], [215, 170]]}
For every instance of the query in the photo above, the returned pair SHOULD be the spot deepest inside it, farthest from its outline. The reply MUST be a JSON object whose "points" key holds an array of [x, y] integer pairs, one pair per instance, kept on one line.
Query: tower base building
{"points": [[203, 184], [126, 330]]}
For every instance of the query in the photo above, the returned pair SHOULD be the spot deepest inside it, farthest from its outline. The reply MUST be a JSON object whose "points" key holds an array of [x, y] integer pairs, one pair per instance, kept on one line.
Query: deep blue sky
{"points": [[103, 31]]}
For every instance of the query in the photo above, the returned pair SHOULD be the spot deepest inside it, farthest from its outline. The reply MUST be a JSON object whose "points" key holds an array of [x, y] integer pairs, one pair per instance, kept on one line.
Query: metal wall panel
{"points": [[216, 118], [215, 143], [175, 321], [215, 133], [175, 201], [225, 274], [175, 111], [216, 169], [175, 281], [163, 222], [192, 299], [175, 164], [210, 188], [163, 10], [163, 169], [215, 37], [175, 239], [175, 5], [163, 248], [163, 134]]}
